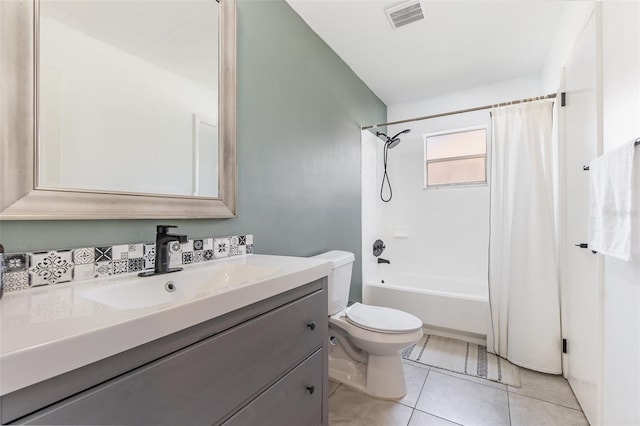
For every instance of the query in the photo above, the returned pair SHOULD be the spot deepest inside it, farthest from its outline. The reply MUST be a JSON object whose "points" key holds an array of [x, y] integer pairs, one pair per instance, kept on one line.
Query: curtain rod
{"points": [[444, 114]]}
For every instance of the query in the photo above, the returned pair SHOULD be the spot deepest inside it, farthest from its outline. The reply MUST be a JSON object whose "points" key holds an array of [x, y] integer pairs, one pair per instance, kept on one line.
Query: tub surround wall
{"points": [[441, 232], [26, 270], [372, 222], [300, 109]]}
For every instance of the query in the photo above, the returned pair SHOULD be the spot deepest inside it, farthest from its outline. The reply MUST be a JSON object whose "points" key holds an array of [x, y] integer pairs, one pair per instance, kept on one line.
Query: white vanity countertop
{"points": [[50, 330]]}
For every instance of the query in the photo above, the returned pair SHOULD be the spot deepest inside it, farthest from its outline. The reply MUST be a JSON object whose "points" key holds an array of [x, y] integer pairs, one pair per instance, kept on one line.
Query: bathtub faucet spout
{"points": [[381, 260]]}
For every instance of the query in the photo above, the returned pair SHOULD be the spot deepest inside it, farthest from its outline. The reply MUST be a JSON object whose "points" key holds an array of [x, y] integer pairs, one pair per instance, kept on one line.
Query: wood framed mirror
{"points": [[26, 192]]}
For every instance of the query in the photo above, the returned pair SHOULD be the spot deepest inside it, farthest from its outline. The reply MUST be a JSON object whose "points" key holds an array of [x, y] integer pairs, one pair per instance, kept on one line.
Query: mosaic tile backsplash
{"points": [[26, 270]]}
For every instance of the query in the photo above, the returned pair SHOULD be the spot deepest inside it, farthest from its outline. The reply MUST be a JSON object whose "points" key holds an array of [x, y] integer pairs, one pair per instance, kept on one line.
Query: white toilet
{"points": [[365, 342]]}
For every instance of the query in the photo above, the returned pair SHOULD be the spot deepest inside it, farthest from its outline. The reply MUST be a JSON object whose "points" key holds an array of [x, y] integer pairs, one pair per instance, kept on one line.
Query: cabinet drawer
{"points": [[296, 399], [203, 383]]}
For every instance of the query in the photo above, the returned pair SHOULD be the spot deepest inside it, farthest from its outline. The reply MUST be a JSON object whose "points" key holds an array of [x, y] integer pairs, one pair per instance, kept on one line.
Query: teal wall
{"points": [[300, 109]]}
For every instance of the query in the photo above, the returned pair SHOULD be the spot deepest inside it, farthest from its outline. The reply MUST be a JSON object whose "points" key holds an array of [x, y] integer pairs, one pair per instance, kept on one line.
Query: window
{"points": [[456, 157]]}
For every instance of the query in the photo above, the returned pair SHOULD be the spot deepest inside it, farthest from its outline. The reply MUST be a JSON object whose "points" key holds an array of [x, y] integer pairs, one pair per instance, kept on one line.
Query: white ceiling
{"points": [[460, 44]]}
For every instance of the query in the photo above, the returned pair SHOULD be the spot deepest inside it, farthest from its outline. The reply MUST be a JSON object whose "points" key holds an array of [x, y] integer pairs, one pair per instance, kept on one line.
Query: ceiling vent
{"points": [[405, 13]]}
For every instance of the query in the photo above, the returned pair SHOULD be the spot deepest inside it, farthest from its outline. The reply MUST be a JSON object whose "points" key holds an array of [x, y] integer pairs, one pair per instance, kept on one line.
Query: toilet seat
{"points": [[381, 319]]}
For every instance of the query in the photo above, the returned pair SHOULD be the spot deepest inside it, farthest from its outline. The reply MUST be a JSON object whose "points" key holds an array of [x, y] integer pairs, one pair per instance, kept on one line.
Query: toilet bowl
{"points": [[365, 342]]}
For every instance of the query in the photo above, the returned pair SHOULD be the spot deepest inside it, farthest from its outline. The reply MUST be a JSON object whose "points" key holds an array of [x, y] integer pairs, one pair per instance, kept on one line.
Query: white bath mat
{"points": [[463, 357]]}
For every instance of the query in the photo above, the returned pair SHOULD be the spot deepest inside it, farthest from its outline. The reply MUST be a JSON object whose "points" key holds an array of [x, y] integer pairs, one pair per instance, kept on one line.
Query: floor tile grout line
{"points": [[416, 364], [507, 387], [422, 387], [440, 417], [509, 390], [410, 417], [505, 390], [419, 393], [508, 405], [426, 412], [334, 391], [549, 402]]}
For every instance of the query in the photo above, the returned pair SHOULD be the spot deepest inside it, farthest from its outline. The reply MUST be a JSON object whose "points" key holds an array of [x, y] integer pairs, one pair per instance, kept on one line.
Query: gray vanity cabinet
{"points": [[269, 368], [294, 391]]}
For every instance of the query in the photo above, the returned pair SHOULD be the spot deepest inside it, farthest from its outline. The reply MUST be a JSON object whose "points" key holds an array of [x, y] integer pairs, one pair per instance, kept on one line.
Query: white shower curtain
{"points": [[523, 279]]}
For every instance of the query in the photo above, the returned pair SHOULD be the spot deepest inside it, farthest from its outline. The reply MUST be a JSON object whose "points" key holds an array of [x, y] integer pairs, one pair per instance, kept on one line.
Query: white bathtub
{"points": [[442, 304]]}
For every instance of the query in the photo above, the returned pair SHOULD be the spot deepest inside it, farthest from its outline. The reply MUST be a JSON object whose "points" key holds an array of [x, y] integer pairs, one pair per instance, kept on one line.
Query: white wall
{"points": [[372, 223], [618, 78], [568, 30], [447, 228], [152, 107], [620, 123]]}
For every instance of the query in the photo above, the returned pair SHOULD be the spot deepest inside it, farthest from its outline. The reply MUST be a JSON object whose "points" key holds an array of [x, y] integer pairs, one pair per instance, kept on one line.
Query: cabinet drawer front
{"points": [[294, 400], [205, 382]]}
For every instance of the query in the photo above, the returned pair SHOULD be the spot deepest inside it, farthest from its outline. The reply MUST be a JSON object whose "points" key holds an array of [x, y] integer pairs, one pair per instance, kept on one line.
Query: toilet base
{"points": [[385, 377], [381, 377]]}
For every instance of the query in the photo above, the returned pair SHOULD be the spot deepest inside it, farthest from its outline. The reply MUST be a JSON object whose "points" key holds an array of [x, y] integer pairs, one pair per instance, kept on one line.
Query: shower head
{"points": [[390, 143], [394, 141]]}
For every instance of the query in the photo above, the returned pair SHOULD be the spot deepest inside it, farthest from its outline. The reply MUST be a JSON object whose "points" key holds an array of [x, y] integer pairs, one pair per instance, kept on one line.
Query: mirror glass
{"points": [[128, 97]]}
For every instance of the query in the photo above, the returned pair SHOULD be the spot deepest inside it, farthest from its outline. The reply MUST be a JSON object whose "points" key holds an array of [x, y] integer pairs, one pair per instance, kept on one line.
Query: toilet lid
{"points": [[385, 320]]}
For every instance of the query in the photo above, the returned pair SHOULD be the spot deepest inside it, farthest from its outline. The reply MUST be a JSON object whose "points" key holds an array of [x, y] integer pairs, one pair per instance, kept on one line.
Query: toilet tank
{"points": [[340, 278]]}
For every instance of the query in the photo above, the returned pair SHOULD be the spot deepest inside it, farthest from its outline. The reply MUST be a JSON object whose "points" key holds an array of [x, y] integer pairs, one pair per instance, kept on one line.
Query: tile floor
{"points": [[439, 398]]}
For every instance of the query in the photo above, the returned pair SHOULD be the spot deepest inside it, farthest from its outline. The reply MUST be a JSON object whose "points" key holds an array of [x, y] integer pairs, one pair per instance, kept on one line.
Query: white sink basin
{"points": [[145, 292], [77, 324]]}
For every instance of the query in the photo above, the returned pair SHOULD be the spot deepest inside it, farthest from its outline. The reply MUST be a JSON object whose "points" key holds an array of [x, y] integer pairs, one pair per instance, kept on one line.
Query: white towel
{"points": [[611, 192]]}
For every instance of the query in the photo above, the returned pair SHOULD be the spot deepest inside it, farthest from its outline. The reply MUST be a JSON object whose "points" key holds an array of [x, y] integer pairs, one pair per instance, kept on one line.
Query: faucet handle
{"points": [[163, 229]]}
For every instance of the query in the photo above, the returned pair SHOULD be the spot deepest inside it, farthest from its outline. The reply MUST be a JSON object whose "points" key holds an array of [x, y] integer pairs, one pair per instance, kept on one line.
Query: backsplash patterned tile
{"points": [[149, 256], [84, 271], [175, 259], [51, 267], [26, 270], [187, 247], [16, 262], [85, 255], [103, 269], [16, 281], [120, 252], [120, 266], [207, 255], [136, 264], [175, 247], [221, 248], [102, 254]]}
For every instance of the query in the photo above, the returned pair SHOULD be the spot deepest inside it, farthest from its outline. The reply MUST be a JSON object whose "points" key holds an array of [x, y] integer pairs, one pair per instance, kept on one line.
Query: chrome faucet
{"points": [[163, 238]]}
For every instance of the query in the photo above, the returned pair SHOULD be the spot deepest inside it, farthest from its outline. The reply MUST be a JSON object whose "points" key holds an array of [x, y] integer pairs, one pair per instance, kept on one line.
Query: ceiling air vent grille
{"points": [[405, 13]]}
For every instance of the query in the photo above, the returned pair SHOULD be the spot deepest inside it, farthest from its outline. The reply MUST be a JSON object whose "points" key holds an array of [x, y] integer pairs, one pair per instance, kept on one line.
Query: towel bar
{"points": [[585, 245], [636, 143]]}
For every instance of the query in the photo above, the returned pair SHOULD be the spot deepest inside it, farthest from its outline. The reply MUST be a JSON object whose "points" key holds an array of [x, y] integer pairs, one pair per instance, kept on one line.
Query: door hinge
{"points": [[564, 346], [563, 99]]}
